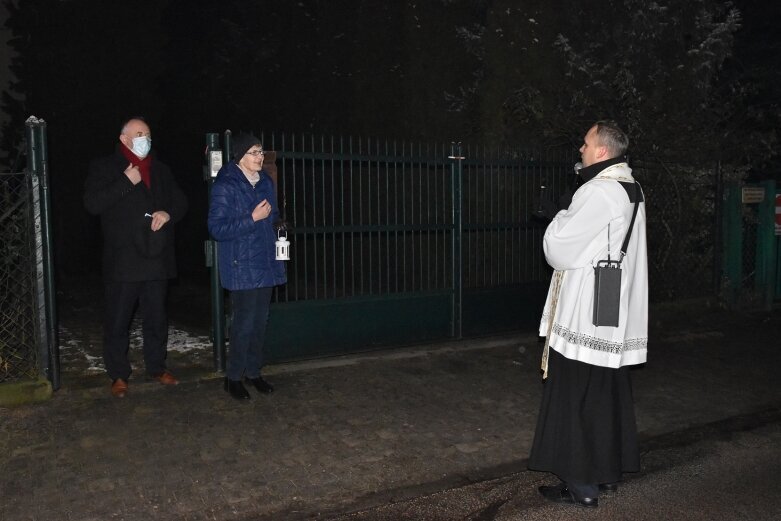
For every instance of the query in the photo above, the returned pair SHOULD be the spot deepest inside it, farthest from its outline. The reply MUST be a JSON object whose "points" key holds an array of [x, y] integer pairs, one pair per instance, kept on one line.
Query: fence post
{"points": [[38, 164], [718, 229], [766, 246], [733, 242], [457, 170], [214, 160], [776, 197]]}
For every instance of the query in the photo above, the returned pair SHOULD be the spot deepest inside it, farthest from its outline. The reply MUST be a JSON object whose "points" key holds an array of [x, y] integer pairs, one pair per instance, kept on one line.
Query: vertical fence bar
{"points": [[214, 158], [514, 215], [341, 235], [396, 249], [305, 196], [718, 236], [352, 216], [457, 231], [405, 234], [733, 242], [370, 166], [766, 247], [527, 234], [387, 240], [777, 196], [301, 242], [439, 282], [37, 154], [490, 217], [378, 215], [360, 214], [319, 237], [443, 240], [424, 274], [510, 221]]}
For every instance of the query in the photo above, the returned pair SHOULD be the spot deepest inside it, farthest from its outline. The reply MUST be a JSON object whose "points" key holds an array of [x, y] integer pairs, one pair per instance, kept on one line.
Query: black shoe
{"points": [[608, 488], [261, 385], [236, 389], [561, 494]]}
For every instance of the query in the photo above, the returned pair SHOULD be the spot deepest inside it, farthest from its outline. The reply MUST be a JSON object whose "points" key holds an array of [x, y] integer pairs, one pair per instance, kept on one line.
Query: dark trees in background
{"points": [[654, 67], [81, 68], [752, 131], [492, 71]]}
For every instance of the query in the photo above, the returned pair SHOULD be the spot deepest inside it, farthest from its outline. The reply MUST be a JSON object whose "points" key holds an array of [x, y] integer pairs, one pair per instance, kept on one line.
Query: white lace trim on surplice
{"points": [[599, 344]]}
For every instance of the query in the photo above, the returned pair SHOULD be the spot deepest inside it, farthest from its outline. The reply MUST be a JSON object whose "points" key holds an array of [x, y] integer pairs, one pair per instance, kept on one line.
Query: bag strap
{"points": [[631, 224]]}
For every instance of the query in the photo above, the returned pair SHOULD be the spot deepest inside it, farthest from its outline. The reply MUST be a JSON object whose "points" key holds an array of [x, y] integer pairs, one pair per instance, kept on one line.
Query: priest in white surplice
{"points": [[586, 431]]}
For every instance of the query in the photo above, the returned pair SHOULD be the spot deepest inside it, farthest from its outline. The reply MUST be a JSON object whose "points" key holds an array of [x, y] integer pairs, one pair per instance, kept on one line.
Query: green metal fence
{"points": [[751, 255], [18, 330], [396, 242], [505, 275], [368, 218]]}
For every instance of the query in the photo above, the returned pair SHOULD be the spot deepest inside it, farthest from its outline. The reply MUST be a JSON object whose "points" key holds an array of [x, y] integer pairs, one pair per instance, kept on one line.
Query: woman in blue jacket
{"points": [[242, 213]]}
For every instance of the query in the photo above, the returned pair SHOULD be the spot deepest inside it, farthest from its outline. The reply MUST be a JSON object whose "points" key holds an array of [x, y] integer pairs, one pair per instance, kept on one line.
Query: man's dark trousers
{"points": [[121, 299]]}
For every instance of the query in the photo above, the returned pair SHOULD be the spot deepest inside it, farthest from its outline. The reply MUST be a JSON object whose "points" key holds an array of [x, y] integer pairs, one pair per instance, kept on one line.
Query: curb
{"points": [[13, 394]]}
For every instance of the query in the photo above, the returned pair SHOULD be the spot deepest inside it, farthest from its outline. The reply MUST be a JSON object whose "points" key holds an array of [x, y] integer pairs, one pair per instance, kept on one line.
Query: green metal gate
{"points": [[394, 243], [750, 263]]}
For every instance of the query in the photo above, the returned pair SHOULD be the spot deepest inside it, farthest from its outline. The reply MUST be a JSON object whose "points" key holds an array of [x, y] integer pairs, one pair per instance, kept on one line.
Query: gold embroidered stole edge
{"points": [[558, 277]]}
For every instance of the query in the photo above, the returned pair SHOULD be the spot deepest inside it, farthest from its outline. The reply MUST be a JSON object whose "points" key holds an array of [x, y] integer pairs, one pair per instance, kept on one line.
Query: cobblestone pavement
{"points": [[344, 434]]}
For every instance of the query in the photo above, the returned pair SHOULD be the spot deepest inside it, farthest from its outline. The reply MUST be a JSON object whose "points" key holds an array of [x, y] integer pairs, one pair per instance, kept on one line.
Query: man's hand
{"points": [[133, 174], [261, 211], [159, 218]]}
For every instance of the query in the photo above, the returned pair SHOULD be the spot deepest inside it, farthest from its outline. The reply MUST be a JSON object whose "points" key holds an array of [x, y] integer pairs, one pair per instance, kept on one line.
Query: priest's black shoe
{"points": [[561, 494], [236, 389], [261, 385], [608, 488]]}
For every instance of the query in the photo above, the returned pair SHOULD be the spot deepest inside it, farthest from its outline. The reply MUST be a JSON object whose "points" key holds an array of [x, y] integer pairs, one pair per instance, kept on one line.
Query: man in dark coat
{"points": [[138, 202]]}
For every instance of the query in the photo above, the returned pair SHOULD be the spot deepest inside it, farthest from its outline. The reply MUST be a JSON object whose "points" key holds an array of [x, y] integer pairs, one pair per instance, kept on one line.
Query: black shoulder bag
{"points": [[607, 279]]}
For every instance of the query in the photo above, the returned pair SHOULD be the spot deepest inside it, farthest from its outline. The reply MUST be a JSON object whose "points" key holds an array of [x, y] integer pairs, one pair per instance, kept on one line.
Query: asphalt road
{"points": [[727, 471]]}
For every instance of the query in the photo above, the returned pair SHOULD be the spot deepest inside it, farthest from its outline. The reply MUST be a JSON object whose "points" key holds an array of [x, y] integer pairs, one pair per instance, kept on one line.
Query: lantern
{"points": [[283, 246]]}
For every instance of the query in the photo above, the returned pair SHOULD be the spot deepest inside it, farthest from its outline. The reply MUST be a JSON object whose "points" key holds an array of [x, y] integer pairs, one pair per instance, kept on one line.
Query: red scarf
{"points": [[144, 165]]}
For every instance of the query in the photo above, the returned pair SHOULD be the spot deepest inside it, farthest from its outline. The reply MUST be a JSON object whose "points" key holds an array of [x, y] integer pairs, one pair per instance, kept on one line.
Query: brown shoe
{"points": [[166, 378], [119, 388]]}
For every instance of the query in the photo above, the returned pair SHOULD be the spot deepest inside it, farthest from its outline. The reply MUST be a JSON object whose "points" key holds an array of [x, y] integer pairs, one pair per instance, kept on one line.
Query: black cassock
{"points": [[586, 431]]}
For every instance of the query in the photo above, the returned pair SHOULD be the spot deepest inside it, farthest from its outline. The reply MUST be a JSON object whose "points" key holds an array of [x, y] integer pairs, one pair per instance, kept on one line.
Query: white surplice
{"points": [[574, 242]]}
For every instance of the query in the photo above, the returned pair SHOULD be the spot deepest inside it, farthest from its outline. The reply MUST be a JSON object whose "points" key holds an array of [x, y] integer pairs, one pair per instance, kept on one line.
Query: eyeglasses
{"points": [[256, 152]]}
